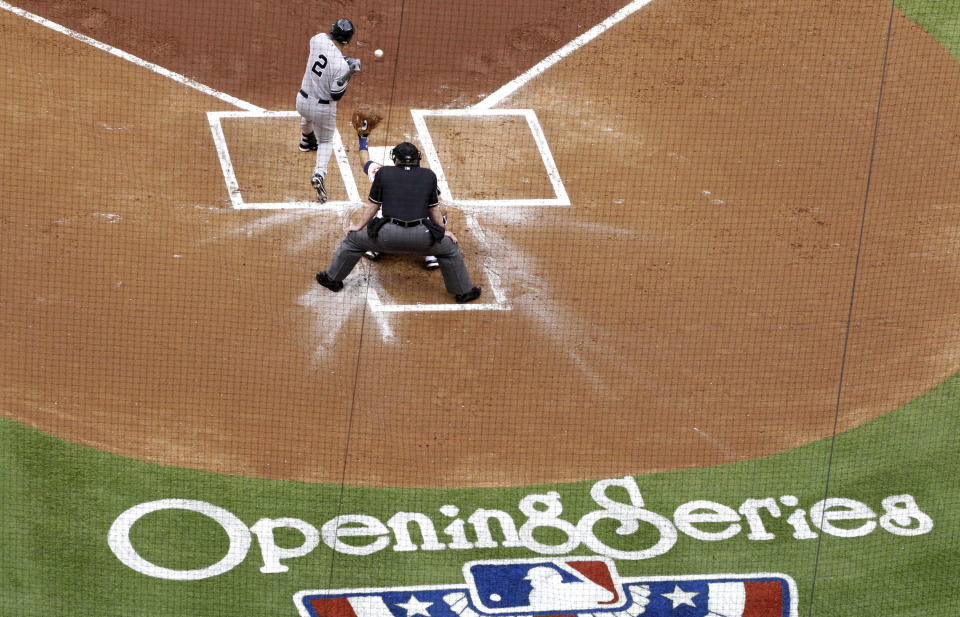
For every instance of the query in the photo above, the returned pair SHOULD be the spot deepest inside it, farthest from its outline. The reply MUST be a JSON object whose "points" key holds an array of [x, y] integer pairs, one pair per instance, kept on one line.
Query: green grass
{"points": [[940, 18], [59, 500]]}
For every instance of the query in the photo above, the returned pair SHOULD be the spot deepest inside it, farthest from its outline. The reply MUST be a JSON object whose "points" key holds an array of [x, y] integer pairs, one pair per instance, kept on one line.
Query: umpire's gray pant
{"points": [[396, 239]]}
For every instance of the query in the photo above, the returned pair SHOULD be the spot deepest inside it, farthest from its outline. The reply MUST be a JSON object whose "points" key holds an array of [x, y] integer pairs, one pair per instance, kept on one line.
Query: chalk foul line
{"points": [[119, 53]]}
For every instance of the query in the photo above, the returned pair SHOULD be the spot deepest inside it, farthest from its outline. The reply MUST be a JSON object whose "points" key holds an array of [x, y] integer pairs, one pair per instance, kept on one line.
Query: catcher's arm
{"points": [[364, 155]]}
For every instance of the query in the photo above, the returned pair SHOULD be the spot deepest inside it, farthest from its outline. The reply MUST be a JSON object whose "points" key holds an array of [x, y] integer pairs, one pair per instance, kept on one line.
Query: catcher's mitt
{"points": [[365, 120]]}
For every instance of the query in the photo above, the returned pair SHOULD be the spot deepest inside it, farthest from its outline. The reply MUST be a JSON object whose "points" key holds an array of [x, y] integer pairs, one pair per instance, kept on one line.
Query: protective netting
{"points": [[711, 372]]}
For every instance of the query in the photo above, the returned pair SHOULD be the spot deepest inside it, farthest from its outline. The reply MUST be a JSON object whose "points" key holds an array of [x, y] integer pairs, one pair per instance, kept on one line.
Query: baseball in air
{"points": [[378, 53]]}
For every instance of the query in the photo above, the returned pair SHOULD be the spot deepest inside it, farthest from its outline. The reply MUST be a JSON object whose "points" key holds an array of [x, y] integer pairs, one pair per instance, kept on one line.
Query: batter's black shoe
{"points": [[331, 284], [317, 183], [430, 262], [308, 143], [372, 255], [473, 294]]}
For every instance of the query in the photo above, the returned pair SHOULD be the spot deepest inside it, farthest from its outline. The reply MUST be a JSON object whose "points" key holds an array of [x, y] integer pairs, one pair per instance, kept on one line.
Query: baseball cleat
{"points": [[372, 255], [430, 262], [317, 183], [329, 283], [308, 143], [473, 294]]}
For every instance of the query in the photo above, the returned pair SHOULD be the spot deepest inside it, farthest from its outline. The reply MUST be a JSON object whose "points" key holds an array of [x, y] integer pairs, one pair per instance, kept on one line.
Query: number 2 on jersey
{"points": [[319, 65]]}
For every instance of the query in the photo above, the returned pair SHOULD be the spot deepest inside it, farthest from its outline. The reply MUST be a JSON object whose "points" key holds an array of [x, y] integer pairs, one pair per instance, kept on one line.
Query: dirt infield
{"points": [[743, 268]]}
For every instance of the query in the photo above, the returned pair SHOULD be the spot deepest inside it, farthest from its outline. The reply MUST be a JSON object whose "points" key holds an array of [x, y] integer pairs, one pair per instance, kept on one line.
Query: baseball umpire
{"points": [[364, 120], [324, 83], [411, 223]]}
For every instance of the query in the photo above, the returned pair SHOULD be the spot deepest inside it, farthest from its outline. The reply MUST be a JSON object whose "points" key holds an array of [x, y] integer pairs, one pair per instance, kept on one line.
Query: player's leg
{"points": [[324, 125], [312, 121], [430, 261], [455, 276], [316, 181], [308, 140], [345, 259], [371, 254]]}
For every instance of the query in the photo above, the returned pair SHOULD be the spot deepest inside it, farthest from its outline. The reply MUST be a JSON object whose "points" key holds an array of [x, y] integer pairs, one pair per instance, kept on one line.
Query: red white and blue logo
{"points": [[565, 587]]}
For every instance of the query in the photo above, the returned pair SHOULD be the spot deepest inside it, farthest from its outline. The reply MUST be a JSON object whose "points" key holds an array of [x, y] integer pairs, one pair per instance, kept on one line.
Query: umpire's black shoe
{"points": [[473, 294], [331, 284]]}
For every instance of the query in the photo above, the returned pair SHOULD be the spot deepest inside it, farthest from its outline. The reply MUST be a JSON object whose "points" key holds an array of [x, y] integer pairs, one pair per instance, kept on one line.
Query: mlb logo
{"points": [[563, 587], [573, 584]]}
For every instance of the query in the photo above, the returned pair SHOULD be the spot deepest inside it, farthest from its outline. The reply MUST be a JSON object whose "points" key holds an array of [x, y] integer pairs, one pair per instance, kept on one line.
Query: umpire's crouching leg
{"points": [[454, 271], [455, 275], [344, 260]]}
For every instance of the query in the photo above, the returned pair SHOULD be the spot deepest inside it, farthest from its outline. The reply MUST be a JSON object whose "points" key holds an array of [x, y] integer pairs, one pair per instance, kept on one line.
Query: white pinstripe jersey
{"points": [[324, 66]]}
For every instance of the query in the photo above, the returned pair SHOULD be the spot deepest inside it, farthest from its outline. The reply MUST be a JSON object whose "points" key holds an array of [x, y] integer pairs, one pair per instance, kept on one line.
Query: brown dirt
{"points": [[690, 308]]}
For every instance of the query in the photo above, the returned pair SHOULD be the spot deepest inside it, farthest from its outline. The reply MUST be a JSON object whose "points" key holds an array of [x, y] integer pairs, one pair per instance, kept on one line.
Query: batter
{"points": [[324, 83]]}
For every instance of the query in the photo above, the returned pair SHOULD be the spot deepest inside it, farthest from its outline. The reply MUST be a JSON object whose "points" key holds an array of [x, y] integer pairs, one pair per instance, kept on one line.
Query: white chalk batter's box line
{"points": [[481, 109], [419, 120], [230, 176], [500, 304], [346, 170], [374, 293]]}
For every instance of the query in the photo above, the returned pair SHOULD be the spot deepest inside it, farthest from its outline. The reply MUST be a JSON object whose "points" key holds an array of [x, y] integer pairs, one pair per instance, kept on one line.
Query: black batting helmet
{"points": [[342, 30], [405, 154]]}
